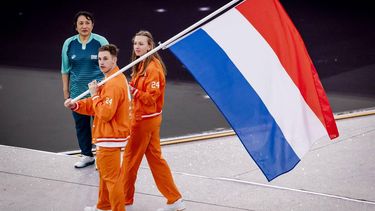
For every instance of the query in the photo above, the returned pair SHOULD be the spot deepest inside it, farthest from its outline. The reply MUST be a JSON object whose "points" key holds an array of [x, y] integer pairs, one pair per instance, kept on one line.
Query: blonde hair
{"points": [[150, 41]]}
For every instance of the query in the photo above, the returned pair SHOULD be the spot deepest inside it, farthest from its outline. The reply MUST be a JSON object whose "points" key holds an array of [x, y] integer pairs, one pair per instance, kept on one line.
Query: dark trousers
{"points": [[83, 130]]}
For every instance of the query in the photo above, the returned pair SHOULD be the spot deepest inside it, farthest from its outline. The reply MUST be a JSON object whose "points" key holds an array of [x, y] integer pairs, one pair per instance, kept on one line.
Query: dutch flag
{"points": [[253, 64]]}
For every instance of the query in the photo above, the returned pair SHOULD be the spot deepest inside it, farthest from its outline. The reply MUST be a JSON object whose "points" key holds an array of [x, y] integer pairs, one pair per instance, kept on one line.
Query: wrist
{"points": [[66, 95]]}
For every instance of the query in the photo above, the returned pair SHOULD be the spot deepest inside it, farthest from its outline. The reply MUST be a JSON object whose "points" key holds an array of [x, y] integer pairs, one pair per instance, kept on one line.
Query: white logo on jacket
{"points": [[108, 101], [155, 84]]}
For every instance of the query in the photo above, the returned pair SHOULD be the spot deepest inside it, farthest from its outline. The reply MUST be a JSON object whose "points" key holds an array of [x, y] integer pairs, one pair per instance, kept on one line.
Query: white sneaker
{"points": [[176, 206], [93, 209], [84, 161]]}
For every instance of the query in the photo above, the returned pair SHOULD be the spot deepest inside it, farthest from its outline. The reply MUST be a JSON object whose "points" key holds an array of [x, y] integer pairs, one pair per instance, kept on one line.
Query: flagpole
{"points": [[161, 45]]}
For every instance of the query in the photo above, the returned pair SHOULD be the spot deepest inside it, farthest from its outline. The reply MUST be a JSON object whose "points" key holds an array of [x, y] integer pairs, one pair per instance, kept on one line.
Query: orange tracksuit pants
{"points": [[145, 140], [111, 195]]}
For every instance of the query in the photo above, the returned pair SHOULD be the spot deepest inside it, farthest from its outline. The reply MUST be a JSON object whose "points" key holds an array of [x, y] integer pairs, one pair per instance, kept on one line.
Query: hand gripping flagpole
{"points": [[162, 45]]}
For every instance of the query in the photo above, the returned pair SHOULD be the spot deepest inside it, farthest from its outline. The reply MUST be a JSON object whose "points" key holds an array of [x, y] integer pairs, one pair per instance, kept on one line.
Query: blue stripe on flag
{"points": [[238, 101]]}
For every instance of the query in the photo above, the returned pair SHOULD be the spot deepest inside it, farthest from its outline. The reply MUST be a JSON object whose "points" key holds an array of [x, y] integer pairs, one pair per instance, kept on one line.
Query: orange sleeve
{"points": [[105, 105], [85, 107]]}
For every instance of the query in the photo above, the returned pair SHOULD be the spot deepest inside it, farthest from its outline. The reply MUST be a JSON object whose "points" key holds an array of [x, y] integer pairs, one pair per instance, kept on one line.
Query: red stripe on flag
{"points": [[273, 23]]}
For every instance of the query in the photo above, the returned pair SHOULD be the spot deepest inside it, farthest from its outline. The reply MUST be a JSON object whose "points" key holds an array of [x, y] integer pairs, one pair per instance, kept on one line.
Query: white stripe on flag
{"points": [[260, 66]]}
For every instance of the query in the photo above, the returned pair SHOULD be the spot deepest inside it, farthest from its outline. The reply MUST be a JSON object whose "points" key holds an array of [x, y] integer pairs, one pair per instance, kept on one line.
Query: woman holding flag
{"points": [[147, 88]]}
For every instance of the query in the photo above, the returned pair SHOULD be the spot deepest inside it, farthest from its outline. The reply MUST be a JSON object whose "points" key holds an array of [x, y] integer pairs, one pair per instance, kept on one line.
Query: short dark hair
{"points": [[111, 48], [88, 15]]}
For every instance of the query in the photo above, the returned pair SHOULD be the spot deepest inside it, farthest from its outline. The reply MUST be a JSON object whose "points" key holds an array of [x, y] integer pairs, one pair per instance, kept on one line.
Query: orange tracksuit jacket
{"points": [[148, 99], [111, 127], [147, 103], [111, 130]]}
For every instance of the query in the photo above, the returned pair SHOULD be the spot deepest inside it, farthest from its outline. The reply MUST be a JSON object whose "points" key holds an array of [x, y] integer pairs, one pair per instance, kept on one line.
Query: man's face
{"points": [[106, 61]]}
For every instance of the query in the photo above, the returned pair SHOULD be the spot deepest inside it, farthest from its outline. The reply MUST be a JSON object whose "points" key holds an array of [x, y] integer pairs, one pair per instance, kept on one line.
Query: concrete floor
{"points": [[215, 174]]}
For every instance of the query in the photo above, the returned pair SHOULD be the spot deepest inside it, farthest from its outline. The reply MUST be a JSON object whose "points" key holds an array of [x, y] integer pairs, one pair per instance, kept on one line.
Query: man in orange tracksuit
{"points": [[147, 87], [109, 105]]}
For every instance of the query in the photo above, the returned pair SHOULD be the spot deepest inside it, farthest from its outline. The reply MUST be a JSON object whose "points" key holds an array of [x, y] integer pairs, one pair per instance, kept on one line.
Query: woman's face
{"points": [[140, 45], [84, 26]]}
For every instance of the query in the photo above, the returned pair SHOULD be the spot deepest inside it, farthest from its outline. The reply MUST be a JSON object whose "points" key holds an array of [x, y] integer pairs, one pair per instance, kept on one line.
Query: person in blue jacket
{"points": [[78, 68]]}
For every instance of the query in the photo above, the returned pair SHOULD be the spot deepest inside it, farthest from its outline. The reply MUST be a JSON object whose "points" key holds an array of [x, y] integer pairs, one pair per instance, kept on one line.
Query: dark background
{"points": [[338, 35]]}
